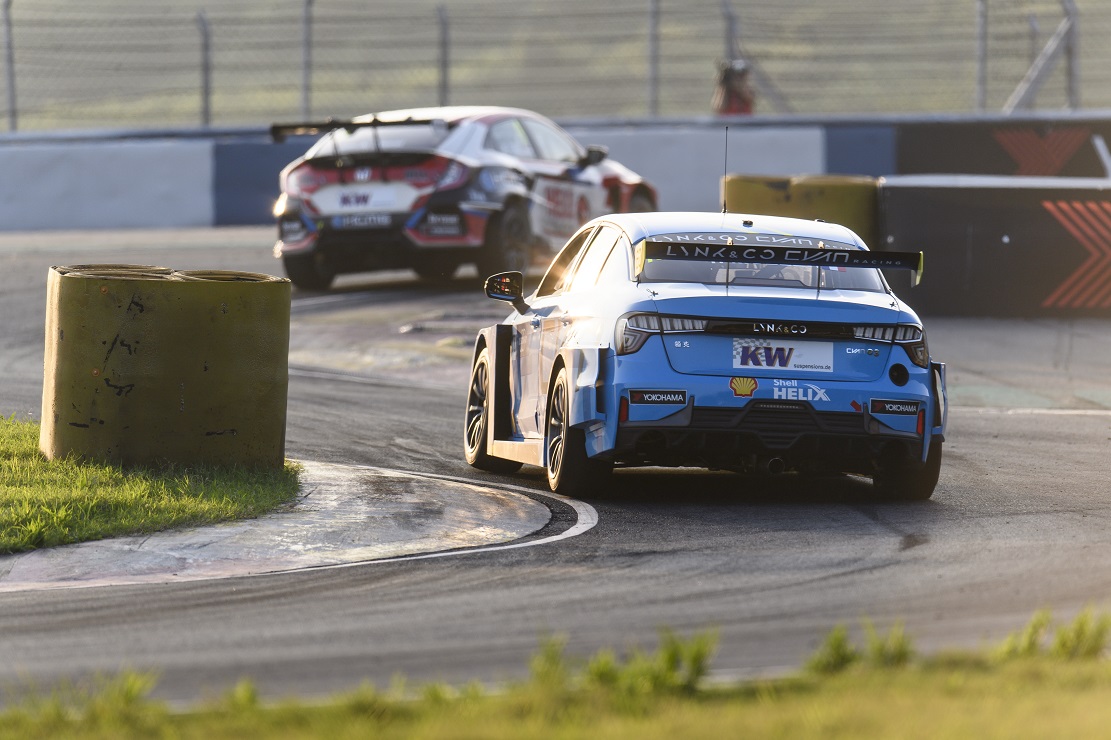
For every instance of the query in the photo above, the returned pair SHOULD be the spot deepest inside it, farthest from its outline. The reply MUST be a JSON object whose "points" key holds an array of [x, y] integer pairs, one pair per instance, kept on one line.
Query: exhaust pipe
{"points": [[775, 466]]}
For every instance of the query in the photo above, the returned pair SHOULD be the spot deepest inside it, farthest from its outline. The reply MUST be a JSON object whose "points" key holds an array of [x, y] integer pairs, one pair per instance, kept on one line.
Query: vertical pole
{"points": [[653, 57], [1072, 51], [730, 31], [445, 48], [306, 58], [206, 70], [9, 64], [981, 55]]}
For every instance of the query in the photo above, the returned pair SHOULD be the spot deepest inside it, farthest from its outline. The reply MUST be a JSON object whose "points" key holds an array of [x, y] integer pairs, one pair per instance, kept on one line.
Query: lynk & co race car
{"points": [[432, 188], [757, 344]]}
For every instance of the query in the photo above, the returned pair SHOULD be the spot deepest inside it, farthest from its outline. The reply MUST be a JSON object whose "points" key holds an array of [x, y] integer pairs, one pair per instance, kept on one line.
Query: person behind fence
{"points": [[734, 94]]}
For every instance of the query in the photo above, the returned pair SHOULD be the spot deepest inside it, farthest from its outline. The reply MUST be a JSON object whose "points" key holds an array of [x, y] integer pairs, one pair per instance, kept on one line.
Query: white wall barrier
{"points": [[106, 185]]}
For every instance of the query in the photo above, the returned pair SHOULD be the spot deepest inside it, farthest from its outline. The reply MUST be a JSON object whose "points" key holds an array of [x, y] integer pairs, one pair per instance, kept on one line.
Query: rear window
{"points": [[780, 276], [712, 259], [422, 137]]}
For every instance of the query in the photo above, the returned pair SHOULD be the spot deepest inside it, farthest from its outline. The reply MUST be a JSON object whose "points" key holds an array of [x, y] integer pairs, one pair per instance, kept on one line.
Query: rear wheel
{"points": [[570, 471], [308, 271], [508, 243], [910, 479], [477, 419]]}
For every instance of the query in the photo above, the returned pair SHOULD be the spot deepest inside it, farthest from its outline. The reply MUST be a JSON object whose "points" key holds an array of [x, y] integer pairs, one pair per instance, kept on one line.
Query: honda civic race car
{"points": [[432, 188], [757, 344]]}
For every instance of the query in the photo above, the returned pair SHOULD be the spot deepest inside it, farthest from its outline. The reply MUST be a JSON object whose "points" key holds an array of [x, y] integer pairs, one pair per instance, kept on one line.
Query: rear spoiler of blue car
{"points": [[279, 131], [767, 254]]}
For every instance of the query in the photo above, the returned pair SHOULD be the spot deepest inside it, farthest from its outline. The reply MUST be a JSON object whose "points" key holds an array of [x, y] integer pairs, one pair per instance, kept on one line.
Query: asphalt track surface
{"points": [[1021, 518]]}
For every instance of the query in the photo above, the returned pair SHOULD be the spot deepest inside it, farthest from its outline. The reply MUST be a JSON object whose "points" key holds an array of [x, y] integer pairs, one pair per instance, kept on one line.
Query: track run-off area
{"points": [[1020, 520]]}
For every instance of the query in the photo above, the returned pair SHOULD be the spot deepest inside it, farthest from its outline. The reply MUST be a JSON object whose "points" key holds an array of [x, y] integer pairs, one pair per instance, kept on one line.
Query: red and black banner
{"points": [[998, 248], [1030, 148]]}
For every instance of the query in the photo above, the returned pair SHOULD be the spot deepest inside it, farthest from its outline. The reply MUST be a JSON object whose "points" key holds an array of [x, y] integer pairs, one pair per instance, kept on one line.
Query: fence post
{"points": [[206, 70], [9, 64], [981, 55], [1072, 52], [441, 15], [306, 58], [654, 58]]}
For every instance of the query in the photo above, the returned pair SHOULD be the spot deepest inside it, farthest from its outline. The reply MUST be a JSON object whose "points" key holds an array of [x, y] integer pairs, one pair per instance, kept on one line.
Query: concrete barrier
{"points": [[1003, 246], [144, 365], [850, 201]]}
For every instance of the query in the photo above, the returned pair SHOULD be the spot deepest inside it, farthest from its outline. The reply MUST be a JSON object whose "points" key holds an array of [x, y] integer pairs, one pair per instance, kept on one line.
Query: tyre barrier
{"points": [[146, 365], [847, 200]]}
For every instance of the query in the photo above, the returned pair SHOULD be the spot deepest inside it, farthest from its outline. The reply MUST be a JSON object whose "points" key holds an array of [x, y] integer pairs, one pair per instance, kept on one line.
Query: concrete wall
{"points": [[195, 178], [106, 185]]}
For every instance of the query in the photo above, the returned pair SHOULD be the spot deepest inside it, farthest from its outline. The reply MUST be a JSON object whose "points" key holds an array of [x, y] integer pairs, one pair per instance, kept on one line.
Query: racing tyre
{"points": [[308, 271], [570, 471], [910, 479], [477, 419], [508, 243]]}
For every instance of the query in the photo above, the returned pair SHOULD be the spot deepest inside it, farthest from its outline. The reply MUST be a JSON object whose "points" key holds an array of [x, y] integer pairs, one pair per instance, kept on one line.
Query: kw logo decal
{"points": [[1041, 155], [1089, 286], [766, 356]]}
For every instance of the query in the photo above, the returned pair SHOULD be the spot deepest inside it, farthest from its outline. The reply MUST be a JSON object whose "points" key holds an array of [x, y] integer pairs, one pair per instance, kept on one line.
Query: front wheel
{"points": [[910, 479], [478, 417], [570, 471], [308, 271]]}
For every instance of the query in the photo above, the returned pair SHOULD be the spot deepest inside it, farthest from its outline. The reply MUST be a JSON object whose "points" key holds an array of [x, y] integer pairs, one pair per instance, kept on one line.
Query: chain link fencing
{"points": [[136, 64]]}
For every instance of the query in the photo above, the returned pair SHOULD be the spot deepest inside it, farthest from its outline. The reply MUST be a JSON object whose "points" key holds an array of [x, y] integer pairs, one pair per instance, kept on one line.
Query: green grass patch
{"points": [[1049, 688], [44, 503]]}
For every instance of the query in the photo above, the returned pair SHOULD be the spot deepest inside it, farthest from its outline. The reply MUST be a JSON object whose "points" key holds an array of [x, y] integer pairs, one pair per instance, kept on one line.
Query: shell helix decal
{"points": [[743, 387]]}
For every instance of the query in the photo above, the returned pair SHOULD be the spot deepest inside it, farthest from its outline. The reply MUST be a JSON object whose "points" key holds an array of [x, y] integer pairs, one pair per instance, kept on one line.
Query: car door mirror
{"points": [[508, 286], [594, 155]]}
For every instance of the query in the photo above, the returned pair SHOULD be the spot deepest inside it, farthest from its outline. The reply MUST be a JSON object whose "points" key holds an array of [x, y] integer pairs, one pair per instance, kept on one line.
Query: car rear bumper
{"points": [[652, 415], [399, 242]]}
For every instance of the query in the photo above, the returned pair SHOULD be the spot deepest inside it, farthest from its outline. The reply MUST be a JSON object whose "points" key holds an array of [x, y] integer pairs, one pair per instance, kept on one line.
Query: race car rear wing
{"points": [[279, 131], [768, 254]]}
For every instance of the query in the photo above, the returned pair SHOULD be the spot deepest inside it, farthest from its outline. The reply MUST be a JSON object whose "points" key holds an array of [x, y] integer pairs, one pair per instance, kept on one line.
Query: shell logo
{"points": [[743, 387]]}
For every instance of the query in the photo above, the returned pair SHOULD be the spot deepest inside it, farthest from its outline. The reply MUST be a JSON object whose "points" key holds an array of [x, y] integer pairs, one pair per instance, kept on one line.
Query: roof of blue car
{"points": [[646, 225]]}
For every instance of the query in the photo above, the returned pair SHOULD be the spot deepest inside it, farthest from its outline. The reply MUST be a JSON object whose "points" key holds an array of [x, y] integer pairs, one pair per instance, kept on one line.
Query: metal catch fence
{"points": [[134, 64]]}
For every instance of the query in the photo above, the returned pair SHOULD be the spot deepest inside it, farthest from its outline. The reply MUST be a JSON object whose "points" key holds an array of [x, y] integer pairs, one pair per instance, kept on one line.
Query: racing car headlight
{"points": [[633, 331]]}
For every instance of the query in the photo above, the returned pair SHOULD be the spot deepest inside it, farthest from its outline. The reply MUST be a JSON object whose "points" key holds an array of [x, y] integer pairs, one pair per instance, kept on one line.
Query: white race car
{"points": [[432, 188]]}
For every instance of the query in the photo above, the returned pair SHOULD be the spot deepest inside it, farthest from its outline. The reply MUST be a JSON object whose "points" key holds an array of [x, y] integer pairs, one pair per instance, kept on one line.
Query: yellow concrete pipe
{"points": [[146, 366]]}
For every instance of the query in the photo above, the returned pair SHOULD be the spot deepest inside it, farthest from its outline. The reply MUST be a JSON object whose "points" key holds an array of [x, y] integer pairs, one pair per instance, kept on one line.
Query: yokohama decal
{"points": [[1089, 286], [1041, 155]]}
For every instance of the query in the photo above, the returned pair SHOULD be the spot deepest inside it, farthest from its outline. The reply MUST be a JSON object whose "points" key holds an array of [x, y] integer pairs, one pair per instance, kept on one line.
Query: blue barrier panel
{"points": [[860, 150], [245, 179]]}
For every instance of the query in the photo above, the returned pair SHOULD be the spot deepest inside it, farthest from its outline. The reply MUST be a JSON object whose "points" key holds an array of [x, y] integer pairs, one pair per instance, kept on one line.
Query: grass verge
{"points": [[46, 503], [1028, 686]]}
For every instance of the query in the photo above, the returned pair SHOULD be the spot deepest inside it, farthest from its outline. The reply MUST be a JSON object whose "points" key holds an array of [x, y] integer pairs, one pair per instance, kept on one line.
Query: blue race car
{"points": [[758, 344]]}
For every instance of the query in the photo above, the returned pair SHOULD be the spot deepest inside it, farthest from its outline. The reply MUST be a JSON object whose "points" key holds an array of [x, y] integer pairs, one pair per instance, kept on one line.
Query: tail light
{"points": [[304, 180], [910, 337]]}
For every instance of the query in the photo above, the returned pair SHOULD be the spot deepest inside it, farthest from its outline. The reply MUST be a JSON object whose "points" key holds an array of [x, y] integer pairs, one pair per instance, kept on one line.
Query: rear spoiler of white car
{"points": [[279, 131], [767, 254]]}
